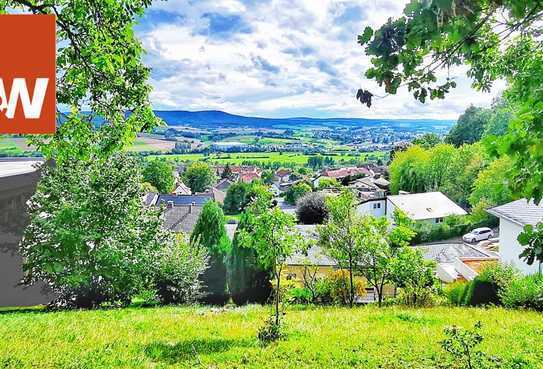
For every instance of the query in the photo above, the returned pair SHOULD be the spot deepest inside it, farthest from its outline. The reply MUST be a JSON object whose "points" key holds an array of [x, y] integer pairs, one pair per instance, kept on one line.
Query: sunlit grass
{"points": [[188, 337]]}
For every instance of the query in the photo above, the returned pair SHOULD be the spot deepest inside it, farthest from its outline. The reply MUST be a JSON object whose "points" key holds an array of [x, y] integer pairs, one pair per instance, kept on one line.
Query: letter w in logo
{"points": [[19, 91]]}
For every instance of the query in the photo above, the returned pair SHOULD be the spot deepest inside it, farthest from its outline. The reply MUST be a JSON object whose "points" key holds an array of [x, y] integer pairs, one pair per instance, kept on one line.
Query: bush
{"points": [[334, 289], [486, 287], [178, 269], [455, 292], [270, 332], [295, 192], [311, 208], [299, 295], [525, 292]]}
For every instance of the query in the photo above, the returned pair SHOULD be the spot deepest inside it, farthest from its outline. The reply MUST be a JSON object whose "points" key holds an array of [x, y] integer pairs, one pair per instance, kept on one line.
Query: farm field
{"points": [[264, 157], [151, 144], [203, 337]]}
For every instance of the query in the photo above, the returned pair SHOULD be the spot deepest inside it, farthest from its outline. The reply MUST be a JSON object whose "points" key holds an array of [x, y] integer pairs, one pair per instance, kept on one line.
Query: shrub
{"points": [[270, 332], [334, 288], [299, 295], [480, 292], [178, 268], [295, 192], [311, 208], [525, 292], [455, 292]]}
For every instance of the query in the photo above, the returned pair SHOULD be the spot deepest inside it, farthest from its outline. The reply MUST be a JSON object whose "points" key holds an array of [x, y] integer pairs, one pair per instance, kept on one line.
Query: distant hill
{"points": [[216, 118]]}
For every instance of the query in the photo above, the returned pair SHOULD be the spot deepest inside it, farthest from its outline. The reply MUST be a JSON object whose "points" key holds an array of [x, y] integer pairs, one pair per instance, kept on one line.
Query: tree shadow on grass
{"points": [[190, 349]]}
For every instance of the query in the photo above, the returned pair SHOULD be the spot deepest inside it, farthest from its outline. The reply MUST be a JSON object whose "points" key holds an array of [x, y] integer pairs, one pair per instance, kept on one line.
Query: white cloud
{"points": [[276, 58]]}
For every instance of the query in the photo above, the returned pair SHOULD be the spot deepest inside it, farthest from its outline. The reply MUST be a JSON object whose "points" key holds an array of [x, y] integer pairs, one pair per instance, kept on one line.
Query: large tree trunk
{"points": [[277, 295]]}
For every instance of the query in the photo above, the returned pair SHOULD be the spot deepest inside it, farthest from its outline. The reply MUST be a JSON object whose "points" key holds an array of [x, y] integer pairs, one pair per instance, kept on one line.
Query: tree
{"points": [[179, 265], [470, 126], [497, 40], [413, 274], [375, 253], [199, 177], [296, 191], [408, 170], [210, 234], [532, 240], [227, 172], [315, 162], [90, 238], [311, 208], [340, 235], [493, 184], [328, 182], [159, 173], [427, 140], [267, 177], [274, 239], [99, 69], [248, 281], [236, 197]]}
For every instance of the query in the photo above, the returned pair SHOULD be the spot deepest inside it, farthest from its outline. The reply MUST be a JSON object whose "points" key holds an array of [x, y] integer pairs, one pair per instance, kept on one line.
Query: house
{"points": [[181, 218], [18, 179], [223, 185], [282, 175], [184, 200], [457, 261], [341, 174], [513, 217], [428, 207], [182, 189], [248, 177]]}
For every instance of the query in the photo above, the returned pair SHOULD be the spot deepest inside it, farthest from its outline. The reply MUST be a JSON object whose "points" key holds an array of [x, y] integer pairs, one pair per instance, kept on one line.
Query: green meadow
{"points": [[204, 337]]}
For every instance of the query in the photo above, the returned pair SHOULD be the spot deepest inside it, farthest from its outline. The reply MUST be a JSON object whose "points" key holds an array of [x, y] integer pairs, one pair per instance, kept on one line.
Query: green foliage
{"points": [[274, 239], [236, 198], [415, 276], [270, 332], [525, 292], [100, 68], [210, 234], [462, 346], [407, 170], [493, 184], [427, 140], [496, 40], [470, 126], [295, 192], [178, 267], [248, 281], [532, 240], [159, 173], [328, 182], [199, 176], [90, 238], [455, 293], [311, 208]]}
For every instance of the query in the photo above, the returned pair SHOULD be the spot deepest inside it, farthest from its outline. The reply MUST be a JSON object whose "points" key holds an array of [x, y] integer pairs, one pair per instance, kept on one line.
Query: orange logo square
{"points": [[27, 74]]}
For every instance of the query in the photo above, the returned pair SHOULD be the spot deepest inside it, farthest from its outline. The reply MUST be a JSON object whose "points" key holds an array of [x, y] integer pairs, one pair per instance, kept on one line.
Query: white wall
{"points": [[510, 248], [367, 208]]}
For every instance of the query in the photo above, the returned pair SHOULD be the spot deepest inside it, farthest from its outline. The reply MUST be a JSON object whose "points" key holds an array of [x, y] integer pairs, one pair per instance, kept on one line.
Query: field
{"points": [[13, 146], [194, 337], [151, 144], [264, 157]]}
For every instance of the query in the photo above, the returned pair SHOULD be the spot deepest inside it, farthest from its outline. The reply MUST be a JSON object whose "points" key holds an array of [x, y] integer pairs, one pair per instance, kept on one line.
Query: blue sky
{"points": [[277, 58]]}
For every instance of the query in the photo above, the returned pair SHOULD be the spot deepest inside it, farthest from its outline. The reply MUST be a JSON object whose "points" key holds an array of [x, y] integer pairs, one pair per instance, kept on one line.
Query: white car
{"points": [[478, 234]]}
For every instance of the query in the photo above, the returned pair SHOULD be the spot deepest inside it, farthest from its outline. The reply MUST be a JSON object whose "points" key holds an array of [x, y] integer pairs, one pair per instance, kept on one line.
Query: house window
{"points": [[439, 220], [377, 206]]}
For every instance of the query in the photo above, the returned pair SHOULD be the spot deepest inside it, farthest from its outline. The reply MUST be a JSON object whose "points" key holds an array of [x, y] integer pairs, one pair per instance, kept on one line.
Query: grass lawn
{"points": [[263, 157], [193, 337]]}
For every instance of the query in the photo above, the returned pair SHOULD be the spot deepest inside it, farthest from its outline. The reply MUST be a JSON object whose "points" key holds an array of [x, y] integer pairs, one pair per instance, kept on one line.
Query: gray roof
{"points": [[13, 167], [150, 198], [184, 199], [448, 252], [426, 205], [181, 218], [314, 256], [521, 211]]}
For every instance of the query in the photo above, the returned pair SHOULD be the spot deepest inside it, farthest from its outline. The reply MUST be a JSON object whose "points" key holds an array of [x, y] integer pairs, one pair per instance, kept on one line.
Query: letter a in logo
{"points": [[27, 74]]}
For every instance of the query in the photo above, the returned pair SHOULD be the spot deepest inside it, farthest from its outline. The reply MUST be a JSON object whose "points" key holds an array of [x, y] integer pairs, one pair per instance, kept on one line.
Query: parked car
{"points": [[478, 234]]}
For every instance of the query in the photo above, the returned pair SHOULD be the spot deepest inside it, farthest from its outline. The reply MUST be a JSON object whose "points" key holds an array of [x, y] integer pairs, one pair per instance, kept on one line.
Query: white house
{"points": [[431, 207], [373, 206], [513, 217]]}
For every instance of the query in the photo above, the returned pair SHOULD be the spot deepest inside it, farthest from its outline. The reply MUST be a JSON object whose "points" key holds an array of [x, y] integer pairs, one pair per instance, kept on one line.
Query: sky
{"points": [[278, 58]]}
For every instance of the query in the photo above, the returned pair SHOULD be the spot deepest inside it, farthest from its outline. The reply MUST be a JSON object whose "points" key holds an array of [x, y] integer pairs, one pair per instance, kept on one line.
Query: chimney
{"points": [[190, 207], [169, 204]]}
